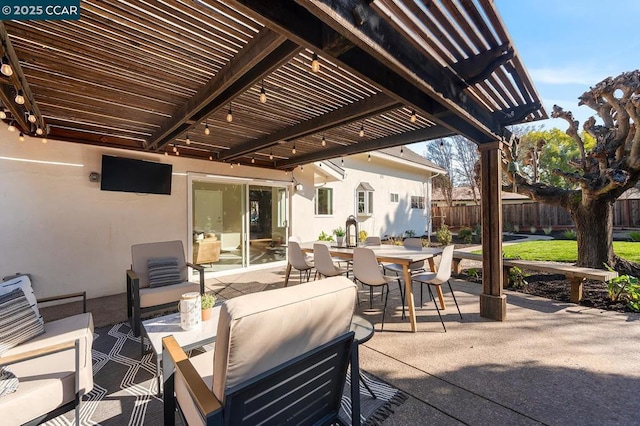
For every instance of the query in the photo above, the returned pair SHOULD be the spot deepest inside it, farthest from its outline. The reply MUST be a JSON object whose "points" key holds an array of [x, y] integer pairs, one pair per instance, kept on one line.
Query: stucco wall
{"points": [[70, 235]]}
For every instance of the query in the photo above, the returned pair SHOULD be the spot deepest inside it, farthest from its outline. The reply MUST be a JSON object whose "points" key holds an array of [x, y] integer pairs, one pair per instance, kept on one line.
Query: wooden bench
{"points": [[575, 274]]}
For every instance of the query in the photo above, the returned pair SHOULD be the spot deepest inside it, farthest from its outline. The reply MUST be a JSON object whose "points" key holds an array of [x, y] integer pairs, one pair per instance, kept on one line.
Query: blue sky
{"points": [[569, 45]]}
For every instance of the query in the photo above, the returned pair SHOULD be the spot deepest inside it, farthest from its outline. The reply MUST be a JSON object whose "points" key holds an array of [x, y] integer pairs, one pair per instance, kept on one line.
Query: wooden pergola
{"points": [[185, 74]]}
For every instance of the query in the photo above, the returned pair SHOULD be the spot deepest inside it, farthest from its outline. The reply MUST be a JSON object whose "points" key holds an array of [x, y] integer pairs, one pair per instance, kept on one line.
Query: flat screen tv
{"points": [[131, 175]]}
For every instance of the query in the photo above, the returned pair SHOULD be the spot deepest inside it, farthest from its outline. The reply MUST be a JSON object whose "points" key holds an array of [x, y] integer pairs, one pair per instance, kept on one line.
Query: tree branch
{"points": [[572, 131]]}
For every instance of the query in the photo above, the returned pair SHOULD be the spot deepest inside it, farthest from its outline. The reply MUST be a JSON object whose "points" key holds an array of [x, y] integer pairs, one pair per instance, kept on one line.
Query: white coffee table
{"points": [[157, 328]]}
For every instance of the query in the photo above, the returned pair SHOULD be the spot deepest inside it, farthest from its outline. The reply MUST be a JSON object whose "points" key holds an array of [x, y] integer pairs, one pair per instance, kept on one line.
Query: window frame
{"points": [[316, 204]]}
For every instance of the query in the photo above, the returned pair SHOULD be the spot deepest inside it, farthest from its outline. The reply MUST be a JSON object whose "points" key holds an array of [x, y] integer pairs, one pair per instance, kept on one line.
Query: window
{"points": [[393, 198], [417, 202], [324, 201], [364, 199]]}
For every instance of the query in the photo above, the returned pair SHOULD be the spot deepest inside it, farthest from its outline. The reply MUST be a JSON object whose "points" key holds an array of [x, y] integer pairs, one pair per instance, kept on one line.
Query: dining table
{"points": [[388, 253]]}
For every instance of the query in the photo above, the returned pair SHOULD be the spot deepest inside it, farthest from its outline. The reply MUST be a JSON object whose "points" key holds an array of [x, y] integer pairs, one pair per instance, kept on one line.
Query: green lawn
{"points": [[564, 250]]}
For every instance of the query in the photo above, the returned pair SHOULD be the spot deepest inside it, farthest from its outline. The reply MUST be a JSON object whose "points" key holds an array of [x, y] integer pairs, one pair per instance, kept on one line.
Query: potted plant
{"points": [[206, 304], [339, 233]]}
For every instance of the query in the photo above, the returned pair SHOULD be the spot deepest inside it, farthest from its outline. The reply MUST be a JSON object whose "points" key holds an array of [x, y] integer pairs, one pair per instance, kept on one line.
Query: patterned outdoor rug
{"points": [[125, 387]]}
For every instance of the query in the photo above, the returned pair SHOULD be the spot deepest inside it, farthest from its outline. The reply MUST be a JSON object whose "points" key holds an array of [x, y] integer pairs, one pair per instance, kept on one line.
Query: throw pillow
{"points": [[24, 283], [18, 322], [163, 271], [8, 382]]}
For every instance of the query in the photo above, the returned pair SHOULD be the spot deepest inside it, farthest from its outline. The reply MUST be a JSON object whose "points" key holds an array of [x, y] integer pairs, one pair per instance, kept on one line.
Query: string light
{"points": [[414, 117], [231, 165], [32, 117], [6, 67], [12, 126], [21, 137], [44, 140], [361, 130], [293, 150], [3, 115], [175, 148], [210, 157], [229, 114], [263, 94], [253, 160], [302, 168], [19, 99], [342, 161], [324, 140], [39, 131], [177, 153], [441, 145], [206, 129], [369, 158], [187, 140], [401, 151], [315, 63], [166, 153], [271, 154]]}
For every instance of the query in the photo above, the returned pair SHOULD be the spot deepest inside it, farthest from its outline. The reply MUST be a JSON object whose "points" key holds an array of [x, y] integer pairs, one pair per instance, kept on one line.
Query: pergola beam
{"points": [[368, 107], [266, 52], [419, 135]]}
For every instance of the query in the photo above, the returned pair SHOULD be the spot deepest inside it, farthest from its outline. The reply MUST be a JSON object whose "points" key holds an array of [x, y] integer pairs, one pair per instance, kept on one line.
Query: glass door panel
{"points": [[268, 221], [218, 225]]}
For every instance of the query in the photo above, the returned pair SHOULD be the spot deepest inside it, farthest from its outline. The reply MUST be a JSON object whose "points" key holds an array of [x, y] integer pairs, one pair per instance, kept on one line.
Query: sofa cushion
{"points": [[23, 282], [8, 382], [154, 296], [163, 271], [18, 321], [259, 331]]}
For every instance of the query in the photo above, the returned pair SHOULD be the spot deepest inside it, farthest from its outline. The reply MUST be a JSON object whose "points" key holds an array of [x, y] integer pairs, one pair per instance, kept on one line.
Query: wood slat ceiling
{"points": [[143, 75]]}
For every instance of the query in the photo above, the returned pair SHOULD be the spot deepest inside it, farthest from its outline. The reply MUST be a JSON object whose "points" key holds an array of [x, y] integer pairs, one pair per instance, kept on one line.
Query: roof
{"points": [[407, 154], [464, 193], [151, 76]]}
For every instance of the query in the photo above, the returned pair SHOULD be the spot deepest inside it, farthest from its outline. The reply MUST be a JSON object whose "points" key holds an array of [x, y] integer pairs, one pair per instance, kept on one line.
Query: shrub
{"points": [[444, 235], [516, 278], [410, 233], [635, 236], [325, 237], [478, 233], [507, 227], [569, 235], [548, 230], [516, 228], [362, 235], [533, 229], [625, 288], [466, 234], [473, 273]]}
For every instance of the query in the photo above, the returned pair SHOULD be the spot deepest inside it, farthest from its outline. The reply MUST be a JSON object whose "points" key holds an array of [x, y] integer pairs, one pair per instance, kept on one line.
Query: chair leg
{"points": [[384, 309], [437, 309], [370, 297], [454, 298], [421, 285]]}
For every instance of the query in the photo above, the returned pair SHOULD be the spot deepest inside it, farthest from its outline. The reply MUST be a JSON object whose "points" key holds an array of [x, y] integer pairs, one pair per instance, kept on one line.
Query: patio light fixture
{"points": [[369, 158], [6, 67], [21, 137], [293, 150], [12, 126], [324, 140], [206, 129], [361, 133], [3, 114], [230, 114], [315, 63], [401, 151], [271, 154], [414, 117], [32, 117], [253, 160], [39, 131], [187, 140], [263, 94], [19, 99]]}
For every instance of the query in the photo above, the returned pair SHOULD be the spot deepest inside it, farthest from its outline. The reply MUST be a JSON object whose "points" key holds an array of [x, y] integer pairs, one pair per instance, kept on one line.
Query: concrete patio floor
{"points": [[549, 363]]}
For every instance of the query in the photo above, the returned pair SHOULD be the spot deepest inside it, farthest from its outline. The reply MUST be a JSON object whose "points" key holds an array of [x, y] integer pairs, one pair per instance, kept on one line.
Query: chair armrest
{"points": [[200, 270], [82, 294], [206, 402], [134, 280], [36, 353]]}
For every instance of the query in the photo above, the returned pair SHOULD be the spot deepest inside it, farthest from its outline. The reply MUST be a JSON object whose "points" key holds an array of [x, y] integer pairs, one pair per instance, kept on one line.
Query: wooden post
{"points": [[493, 303], [576, 289]]}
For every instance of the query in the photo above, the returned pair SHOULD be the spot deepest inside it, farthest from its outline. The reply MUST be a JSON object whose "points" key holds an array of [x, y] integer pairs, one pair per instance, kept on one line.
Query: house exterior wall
{"points": [[386, 177], [70, 235]]}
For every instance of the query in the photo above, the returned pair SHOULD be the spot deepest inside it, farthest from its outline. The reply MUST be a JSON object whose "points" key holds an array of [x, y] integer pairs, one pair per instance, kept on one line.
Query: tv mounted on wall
{"points": [[131, 175]]}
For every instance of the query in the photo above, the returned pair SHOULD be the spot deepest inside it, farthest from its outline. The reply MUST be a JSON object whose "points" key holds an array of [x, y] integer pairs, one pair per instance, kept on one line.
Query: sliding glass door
{"points": [[235, 225]]}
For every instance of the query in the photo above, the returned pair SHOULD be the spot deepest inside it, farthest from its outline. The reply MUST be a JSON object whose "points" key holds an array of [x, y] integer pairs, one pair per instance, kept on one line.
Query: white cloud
{"points": [[567, 75]]}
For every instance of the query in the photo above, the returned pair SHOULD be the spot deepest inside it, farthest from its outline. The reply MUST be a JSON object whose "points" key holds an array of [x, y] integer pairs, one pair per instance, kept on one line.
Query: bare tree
{"points": [[601, 174], [441, 152], [466, 158]]}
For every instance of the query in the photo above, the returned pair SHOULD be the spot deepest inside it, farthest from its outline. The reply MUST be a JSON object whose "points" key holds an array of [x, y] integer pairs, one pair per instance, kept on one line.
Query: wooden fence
{"points": [[626, 214]]}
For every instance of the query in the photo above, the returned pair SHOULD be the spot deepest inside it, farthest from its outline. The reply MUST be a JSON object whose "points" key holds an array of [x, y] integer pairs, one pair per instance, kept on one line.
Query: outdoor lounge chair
{"points": [[167, 283], [280, 356]]}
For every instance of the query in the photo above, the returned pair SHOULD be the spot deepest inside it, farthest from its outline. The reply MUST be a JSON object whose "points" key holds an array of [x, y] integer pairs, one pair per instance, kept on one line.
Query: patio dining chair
{"points": [[438, 278], [372, 241], [411, 243], [366, 270], [298, 260], [324, 263]]}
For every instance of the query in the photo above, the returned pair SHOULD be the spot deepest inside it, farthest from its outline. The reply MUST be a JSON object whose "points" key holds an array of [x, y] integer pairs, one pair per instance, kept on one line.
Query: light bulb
{"points": [[253, 160], [44, 140], [232, 165], [369, 157], [32, 117], [187, 140], [293, 150], [39, 131], [206, 130], [21, 137], [229, 115], [342, 161], [175, 148], [3, 115], [441, 145], [414, 117], [6, 67], [315, 63], [12, 127], [271, 155], [324, 141], [19, 99], [166, 153], [263, 94], [401, 152], [361, 130], [211, 158], [177, 153]]}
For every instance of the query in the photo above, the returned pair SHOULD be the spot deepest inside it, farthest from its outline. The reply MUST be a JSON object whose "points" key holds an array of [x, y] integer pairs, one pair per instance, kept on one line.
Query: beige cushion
{"points": [[160, 295], [259, 331], [141, 253], [48, 382], [203, 363]]}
